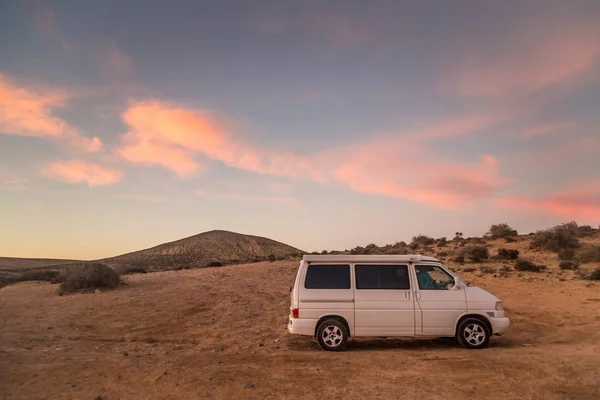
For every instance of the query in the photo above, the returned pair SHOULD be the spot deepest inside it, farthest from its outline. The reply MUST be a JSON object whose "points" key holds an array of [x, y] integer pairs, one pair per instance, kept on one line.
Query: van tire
{"points": [[332, 335], [473, 333]]}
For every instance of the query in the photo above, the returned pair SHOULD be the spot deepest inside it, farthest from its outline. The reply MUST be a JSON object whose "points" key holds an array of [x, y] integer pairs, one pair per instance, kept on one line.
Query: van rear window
{"points": [[327, 277]]}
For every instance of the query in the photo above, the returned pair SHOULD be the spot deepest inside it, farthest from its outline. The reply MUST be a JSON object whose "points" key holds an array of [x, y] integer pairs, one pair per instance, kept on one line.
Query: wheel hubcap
{"points": [[332, 336], [474, 334]]}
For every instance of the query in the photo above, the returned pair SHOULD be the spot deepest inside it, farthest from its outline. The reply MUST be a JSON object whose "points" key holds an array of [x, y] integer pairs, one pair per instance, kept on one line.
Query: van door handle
{"points": [[418, 294], [407, 295]]}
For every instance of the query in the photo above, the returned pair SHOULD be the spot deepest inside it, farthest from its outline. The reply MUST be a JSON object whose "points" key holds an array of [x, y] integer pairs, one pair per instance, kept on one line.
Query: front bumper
{"points": [[500, 325], [302, 326]]}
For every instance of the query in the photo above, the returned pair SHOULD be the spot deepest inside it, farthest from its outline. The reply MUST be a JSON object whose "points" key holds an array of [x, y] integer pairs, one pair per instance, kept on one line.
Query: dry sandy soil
{"points": [[221, 333]]}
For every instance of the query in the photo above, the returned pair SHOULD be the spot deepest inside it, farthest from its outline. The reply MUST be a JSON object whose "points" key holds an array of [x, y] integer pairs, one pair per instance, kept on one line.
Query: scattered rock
{"points": [[248, 386], [126, 354]]}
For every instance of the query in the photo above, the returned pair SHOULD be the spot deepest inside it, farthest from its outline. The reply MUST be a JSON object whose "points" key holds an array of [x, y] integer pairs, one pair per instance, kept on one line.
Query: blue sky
{"points": [[320, 124]]}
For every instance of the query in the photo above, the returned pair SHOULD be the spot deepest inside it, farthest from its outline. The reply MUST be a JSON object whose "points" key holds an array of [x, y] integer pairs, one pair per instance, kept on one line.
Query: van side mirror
{"points": [[457, 284]]}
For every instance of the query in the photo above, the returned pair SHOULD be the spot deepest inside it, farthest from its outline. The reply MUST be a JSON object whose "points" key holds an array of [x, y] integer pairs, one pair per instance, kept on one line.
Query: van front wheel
{"points": [[332, 335], [473, 334]]}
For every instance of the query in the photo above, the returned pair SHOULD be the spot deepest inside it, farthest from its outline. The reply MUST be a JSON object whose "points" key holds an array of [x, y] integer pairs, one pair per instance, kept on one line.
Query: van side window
{"points": [[382, 277], [327, 277], [431, 277]]}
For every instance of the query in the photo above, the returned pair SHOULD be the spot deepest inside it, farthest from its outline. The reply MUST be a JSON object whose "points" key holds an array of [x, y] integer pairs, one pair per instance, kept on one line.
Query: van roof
{"points": [[367, 258]]}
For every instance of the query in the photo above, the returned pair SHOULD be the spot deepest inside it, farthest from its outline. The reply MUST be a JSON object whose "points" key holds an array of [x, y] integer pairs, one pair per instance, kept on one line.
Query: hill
{"points": [[211, 248], [11, 263]]}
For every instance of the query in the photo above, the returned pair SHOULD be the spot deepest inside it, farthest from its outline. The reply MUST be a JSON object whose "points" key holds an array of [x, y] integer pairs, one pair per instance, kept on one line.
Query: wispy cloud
{"points": [[158, 128], [581, 202], [290, 201], [535, 59], [27, 111], [142, 197], [111, 60], [546, 129], [76, 172], [336, 30], [15, 184], [45, 22]]}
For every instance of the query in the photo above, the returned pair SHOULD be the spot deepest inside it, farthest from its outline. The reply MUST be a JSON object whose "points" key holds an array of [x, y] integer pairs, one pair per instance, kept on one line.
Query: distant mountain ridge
{"points": [[205, 249], [18, 263]]}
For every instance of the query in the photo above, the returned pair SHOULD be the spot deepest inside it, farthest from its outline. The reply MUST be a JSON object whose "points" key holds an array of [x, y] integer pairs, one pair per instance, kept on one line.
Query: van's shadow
{"points": [[380, 344]]}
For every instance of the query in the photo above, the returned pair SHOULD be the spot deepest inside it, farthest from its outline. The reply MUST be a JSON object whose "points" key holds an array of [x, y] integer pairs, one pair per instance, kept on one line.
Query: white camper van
{"points": [[336, 297]]}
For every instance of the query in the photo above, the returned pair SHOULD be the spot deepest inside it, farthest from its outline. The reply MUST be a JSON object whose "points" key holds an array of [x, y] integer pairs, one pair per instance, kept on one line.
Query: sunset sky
{"points": [[324, 125]]}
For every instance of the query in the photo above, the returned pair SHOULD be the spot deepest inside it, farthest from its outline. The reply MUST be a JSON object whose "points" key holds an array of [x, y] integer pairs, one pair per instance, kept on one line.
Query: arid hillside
{"points": [[220, 333], [209, 248], [11, 263]]}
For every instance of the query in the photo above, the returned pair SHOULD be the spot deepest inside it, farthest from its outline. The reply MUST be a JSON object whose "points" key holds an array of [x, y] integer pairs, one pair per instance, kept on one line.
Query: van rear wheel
{"points": [[332, 335], [473, 334]]}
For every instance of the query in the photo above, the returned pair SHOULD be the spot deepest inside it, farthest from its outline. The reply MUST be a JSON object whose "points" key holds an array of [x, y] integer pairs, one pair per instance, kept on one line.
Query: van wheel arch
{"points": [[339, 318], [474, 316]]}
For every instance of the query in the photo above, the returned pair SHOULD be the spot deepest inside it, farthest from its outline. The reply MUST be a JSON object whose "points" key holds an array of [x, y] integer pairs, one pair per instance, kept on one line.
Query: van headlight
{"points": [[499, 306]]}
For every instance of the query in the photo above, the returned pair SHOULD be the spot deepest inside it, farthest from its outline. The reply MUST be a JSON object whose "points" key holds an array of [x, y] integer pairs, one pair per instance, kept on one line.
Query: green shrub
{"points": [[421, 240], [460, 259], [508, 254], [526, 265], [566, 254], [501, 231], [475, 253], [556, 239], [441, 242], [568, 265], [588, 254], [584, 230], [88, 276]]}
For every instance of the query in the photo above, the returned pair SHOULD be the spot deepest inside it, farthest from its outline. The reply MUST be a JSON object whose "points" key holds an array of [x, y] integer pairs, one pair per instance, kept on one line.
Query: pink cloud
{"points": [[75, 171], [28, 112], [413, 173], [578, 203], [167, 135], [546, 129], [144, 151], [538, 59]]}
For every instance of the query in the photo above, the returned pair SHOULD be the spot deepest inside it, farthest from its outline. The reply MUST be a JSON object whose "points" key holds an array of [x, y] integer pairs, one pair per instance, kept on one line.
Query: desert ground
{"points": [[221, 333]]}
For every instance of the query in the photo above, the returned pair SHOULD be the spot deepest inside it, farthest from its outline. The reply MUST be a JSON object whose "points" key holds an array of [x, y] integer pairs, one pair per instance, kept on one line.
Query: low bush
{"points": [[475, 253], [83, 277], [526, 265], [568, 265], [214, 263], [506, 269], [588, 254], [595, 275], [556, 239], [469, 269], [487, 270], [421, 240], [501, 231], [566, 254], [441, 242], [460, 259], [508, 254]]}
